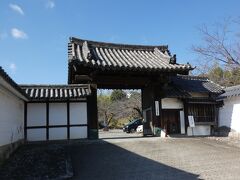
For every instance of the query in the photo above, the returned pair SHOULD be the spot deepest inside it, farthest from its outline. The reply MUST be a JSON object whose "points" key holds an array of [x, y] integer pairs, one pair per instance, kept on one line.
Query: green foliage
{"points": [[118, 95], [224, 77]]}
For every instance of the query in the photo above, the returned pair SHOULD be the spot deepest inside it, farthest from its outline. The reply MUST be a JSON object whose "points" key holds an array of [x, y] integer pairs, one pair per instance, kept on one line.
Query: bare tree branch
{"points": [[217, 46]]}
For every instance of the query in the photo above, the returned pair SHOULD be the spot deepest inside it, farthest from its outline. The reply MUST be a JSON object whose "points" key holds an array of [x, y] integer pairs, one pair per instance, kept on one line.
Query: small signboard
{"points": [[191, 121], [157, 107]]}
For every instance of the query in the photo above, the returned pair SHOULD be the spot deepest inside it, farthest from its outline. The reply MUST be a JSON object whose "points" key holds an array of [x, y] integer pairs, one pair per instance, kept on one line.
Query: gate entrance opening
{"points": [[119, 66], [119, 113]]}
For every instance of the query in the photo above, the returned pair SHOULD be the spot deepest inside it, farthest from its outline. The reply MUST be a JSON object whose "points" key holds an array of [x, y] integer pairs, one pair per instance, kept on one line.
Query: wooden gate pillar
{"points": [[92, 113]]}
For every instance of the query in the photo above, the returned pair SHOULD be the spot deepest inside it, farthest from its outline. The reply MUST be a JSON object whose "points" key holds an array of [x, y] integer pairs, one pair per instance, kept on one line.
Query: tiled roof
{"points": [[196, 84], [123, 57], [11, 82], [231, 91], [173, 92], [56, 92]]}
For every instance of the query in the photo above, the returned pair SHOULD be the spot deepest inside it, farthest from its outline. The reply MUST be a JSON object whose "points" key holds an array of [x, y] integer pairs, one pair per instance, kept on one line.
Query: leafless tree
{"points": [[109, 110], [220, 44]]}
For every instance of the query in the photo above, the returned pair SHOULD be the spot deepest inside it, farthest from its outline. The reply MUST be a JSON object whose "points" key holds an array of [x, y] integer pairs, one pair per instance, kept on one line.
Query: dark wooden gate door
{"points": [[171, 121]]}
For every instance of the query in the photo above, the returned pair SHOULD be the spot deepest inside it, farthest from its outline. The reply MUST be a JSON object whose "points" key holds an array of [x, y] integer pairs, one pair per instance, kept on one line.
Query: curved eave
{"points": [[176, 69]]}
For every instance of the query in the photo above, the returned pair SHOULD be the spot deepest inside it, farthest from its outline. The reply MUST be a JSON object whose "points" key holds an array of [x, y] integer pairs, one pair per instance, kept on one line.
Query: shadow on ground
{"points": [[105, 161], [37, 161]]}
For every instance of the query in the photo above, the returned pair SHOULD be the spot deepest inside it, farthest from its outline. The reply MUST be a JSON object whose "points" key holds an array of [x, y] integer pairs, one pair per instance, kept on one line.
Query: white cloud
{"points": [[50, 5], [18, 34], [13, 67], [16, 8]]}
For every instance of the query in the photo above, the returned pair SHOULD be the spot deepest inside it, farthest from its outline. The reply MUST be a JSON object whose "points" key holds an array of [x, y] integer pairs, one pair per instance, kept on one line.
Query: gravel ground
{"points": [[156, 158], [117, 133], [227, 140], [121, 156], [35, 161]]}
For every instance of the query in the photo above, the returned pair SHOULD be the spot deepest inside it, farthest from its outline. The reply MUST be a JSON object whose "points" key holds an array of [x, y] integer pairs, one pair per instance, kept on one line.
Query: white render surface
{"points": [[57, 116], [11, 116], [57, 113], [199, 130], [57, 133], [78, 132], [172, 103], [36, 134], [78, 113], [36, 114], [229, 114]]}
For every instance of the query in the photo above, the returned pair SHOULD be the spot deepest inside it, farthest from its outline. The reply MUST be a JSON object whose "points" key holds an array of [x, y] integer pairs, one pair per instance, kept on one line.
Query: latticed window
{"points": [[202, 112]]}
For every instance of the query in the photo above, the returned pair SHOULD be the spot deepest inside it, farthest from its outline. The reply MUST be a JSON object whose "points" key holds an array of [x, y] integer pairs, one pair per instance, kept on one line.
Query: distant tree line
{"points": [[118, 108]]}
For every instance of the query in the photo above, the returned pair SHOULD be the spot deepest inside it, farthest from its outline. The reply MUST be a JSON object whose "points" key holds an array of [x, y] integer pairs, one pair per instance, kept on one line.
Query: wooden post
{"points": [[92, 113], [186, 115], [68, 120], [147, 105], [25, 121], [47, 121]]}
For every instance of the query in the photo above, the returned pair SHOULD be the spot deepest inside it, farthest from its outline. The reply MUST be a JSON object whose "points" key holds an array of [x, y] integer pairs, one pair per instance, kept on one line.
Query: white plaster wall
{"points": [[172, 103], [57, 116], [11, 117], [78, 113], [36, 114], [36, 134], [229, 114], [199, 130], [57, 133], [78, 132], [57, 113]]}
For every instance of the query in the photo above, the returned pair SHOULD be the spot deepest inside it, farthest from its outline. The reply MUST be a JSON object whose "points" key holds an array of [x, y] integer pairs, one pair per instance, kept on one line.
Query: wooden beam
{"points": [[68, 120], [25, 120], [47, 120]]}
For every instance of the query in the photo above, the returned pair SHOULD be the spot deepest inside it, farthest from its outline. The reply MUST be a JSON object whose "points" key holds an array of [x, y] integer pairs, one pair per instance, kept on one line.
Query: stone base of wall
{"points": [[7, 150]]}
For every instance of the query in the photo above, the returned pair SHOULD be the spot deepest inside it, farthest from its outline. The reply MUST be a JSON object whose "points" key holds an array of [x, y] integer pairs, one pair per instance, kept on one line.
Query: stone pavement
{"points": [[155, 158]]}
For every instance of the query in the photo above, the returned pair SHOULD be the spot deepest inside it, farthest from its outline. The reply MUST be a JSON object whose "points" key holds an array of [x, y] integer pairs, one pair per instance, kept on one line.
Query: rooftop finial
{"points": [[173, 59]]}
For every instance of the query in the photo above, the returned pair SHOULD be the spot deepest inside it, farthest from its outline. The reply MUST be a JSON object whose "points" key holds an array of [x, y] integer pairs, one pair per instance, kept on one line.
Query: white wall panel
{"points": [[171, 103], [78, 113], [11, 117], [78, 132], [36, 134], [199, 130], [36, 114], [57, 133], [57, 113], [229, 114]]}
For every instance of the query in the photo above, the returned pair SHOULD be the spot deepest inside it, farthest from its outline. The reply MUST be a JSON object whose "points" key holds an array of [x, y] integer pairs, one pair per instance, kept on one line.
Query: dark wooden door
{"points": [[171, 121]]}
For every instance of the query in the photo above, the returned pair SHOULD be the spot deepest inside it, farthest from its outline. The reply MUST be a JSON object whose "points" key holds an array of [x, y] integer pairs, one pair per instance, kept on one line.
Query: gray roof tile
{"points": [[119, 56], [196, 84], [56, 92], [231, 91]]}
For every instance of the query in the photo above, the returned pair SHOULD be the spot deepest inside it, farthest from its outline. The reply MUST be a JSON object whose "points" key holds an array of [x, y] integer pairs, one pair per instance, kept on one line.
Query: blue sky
{"points": [[34, 34]]}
